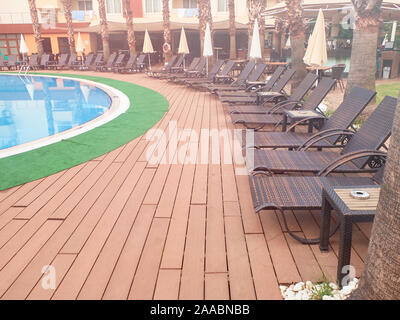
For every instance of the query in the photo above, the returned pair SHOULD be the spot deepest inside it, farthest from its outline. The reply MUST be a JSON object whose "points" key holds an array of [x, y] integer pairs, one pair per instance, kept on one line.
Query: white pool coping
{"points": [[119, 104]]}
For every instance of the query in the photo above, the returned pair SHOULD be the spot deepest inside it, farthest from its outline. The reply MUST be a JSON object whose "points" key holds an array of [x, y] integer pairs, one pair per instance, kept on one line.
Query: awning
{"points": [[390, 9], [158, 26]]}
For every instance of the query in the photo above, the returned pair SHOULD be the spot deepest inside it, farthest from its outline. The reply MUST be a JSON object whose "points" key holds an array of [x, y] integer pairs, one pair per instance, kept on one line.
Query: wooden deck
{"points": [[118, 227]]}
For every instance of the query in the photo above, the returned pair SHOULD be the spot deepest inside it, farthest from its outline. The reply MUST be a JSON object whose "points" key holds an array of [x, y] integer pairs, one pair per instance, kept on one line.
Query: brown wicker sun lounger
{"points": [[2, 62], [12, 62], [199, 83], [130, 65], [97, 62], [351, 107], [33, 62], [165, 69], [254, 86], [198, 72], [313, 101], [275, 192], [89, 59], [62, 62], [360, 151], [193, 67], [44, 60], [211, 74], [275, 95], [228, 83], [108, 64], [140, 63]]}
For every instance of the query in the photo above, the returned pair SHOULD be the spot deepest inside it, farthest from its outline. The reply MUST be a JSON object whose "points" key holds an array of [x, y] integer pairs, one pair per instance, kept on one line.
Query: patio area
{"points": [[119, 227]]}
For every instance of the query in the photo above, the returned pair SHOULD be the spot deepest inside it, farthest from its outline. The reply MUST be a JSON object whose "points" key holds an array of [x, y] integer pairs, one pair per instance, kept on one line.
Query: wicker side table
{"points": [[349, 210], [291, 116]]}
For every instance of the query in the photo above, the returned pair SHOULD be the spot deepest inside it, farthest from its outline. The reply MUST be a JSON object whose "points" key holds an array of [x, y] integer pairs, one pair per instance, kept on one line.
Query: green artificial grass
{"points": [[146, 108], [383, 90]]}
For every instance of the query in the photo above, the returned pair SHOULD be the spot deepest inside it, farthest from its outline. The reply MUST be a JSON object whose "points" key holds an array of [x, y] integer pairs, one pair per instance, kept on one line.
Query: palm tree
{"points": [[232, 29], [297, 29], [104, 29], [261, 20], [365, 40], [381, 276], [204, 18], [280, 27], [70, 29], [129, 25], [36, 27], [167, 30]]}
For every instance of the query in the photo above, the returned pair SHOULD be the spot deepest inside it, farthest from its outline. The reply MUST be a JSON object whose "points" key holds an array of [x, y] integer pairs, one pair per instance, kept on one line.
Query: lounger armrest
{"points": [[302, 121], [323, 135], [349, 157], [284, 104]]}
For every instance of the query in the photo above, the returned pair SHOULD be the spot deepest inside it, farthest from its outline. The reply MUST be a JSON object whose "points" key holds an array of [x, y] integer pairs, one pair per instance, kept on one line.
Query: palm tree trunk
{"points": [[36, 27], [204, 18], [167, 31], [279, 28], [232, 30], [104, 29], [297, 29], [262, 26], [70, 29], [365, 40], [129, 25], [381, 276]]}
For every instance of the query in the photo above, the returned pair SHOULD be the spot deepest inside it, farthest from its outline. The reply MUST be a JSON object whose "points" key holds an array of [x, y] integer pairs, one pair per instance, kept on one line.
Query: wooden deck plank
{"points": [[192, 280], [240, 277], [167, 287], [124, 271], [216, 286], [11, 271], [32, 272], [144, 282], [76, 276], [215, 236], [265, 283], [61, 264], [282, 259], [9, 230], [101, 271]]}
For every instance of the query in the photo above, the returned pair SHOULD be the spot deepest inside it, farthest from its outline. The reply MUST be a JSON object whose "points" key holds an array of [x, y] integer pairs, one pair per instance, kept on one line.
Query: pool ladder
{"points": [[24, 67]]}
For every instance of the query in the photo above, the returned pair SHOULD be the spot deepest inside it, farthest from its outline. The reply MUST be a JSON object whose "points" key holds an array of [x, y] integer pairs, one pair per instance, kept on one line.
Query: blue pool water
{"points": [[36, 107]]}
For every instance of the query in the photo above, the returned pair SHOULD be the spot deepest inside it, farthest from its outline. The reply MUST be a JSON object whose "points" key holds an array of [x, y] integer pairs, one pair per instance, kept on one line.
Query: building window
{"points": [[223, 5], [114, 6], [9, 44], [153, 6], [189, 4], [85, 5]]}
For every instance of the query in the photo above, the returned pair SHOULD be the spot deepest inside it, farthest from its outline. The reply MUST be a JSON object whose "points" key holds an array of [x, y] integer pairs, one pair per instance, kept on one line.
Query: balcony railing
{"points": [[15, 17]]}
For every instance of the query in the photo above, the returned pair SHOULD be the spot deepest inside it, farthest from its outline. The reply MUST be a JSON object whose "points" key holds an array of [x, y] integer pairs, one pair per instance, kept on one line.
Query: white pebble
{"points": [[298, 286], [333, 286]]}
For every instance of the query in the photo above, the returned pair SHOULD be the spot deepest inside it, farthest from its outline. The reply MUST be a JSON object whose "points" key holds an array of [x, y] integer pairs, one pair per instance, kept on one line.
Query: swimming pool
{"points": [[36, 107]]}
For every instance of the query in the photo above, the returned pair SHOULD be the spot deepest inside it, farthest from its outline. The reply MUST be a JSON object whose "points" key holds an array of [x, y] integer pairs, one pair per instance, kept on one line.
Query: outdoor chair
{"points": [[2, 62], [61, 62], [287, 102], [361, 150], [129, 66], [12, 62], [337, 74], [73, 61], [140, 63], [33, 62], [294, 102], [198, 71], [275, 95], [44, 60], [255, 86], [85, 65], [192, 66], [213, 72], [284, 193], [176, 68], [199, 84], [108, 64], [165, 69], [97, 62], [228, 83], [337, 125]]}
